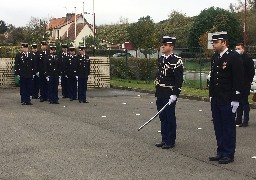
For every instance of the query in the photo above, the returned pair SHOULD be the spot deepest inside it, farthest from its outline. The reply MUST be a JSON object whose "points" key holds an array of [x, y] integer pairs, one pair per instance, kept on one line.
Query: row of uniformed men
{"points": [[40, 70]]}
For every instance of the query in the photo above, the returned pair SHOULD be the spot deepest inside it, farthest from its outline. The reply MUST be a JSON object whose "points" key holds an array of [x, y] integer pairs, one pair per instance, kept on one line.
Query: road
{"points": [[100, 140]]}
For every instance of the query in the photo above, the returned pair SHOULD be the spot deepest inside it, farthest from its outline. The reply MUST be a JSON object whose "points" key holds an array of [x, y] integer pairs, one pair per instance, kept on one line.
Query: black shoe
{"points": [[41, 100], [159, 144], [244, 124], [215, 158], [238, 121], [167, 146], [56, 102], [226, 160], [34, 97], [85, 101], [71, 99], [23, 103], [29, 103]]}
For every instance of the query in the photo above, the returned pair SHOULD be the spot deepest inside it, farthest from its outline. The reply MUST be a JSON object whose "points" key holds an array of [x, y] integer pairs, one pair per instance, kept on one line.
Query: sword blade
{"points": [[153, 116]]}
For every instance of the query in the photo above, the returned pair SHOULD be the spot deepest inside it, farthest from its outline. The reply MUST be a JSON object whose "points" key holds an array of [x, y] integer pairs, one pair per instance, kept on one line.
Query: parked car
{"points": [[122, 54]]}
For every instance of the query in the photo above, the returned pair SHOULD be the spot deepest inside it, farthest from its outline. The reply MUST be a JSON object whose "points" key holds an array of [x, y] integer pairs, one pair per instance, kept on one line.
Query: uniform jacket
{"points": [[169, 76], [249, 73], [40, 61], [24, 65], [226, 80], [72, 66], [53, 66], [83, 66], [63, 59]]}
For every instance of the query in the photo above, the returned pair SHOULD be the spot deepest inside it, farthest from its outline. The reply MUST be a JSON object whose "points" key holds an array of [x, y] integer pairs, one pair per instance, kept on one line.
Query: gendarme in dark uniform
{"points": [[168, 86], [249, 72], [52, 72], [25, 69], [36, 82], [71, 73], [41, 58], [225, 93], [64, 81], [83, 73]]}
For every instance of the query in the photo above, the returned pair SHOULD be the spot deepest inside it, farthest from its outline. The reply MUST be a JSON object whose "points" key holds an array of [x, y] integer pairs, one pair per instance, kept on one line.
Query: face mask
{"points": [[238, 51]]}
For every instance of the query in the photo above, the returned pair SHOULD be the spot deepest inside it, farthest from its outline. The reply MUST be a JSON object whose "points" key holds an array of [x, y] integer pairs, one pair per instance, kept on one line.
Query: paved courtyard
{"points": [[100, 140]]}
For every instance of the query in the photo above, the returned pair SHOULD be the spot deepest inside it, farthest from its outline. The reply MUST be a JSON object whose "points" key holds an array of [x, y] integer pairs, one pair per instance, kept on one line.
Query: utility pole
{"points": [[245, 23], [75, 27]]}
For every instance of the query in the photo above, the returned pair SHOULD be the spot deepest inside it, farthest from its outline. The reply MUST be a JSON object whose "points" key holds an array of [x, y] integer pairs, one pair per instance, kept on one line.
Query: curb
{"points": [[183, 96]]}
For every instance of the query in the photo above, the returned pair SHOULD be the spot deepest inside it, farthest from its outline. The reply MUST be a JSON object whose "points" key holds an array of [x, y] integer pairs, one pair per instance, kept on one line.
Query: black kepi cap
{"points": [[52, 47], [24, 45], [219, 36], [34, 45], [64, 45], [82, 47], [72, 48], [168, 40], [43, 43]]}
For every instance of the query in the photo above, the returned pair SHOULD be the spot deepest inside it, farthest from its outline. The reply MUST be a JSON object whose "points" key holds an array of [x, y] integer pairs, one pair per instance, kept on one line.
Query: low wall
{"points": [[99, 75], [7, 72]]}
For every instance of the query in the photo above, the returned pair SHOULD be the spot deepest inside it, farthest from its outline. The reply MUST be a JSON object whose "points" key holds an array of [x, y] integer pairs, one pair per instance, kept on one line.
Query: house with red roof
{"points": [[74, 27]]}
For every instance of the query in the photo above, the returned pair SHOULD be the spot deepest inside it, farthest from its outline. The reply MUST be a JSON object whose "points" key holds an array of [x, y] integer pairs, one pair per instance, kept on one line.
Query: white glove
{"points": [[66, 76], [210, 98], [76, 77], [47, 78], [37, 74], [172, 99], [234, 105], [33, 76]]}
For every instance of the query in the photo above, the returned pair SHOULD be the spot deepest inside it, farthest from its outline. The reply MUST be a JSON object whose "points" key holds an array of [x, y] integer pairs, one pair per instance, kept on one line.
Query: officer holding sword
{"points": [[168, 86]]}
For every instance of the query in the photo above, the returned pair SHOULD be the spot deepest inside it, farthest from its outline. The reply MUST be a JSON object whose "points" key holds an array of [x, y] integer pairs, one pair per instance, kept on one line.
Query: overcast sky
{"points": [[18, 12]]}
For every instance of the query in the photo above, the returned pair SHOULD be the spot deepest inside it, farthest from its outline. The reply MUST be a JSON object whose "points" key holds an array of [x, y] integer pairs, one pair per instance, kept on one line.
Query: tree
{"points": [[3, 27], [116, 33], [17, 36], [177, 25], [215, 19], [35, 31], [143, 35], [250, 19]]}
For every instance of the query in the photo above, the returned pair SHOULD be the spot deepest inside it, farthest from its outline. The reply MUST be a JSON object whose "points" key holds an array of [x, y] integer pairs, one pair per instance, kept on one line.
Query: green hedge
{"points": [[8, 51], [133, 68]]}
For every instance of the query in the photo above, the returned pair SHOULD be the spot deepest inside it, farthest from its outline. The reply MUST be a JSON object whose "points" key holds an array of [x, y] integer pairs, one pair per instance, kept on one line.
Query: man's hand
{"points": [[172, 99], [234, 105], [47, 78], [37, 74]]}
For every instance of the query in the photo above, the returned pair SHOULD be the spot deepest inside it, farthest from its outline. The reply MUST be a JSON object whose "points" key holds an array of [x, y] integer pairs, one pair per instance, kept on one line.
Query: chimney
{"points": [[69, 16]]}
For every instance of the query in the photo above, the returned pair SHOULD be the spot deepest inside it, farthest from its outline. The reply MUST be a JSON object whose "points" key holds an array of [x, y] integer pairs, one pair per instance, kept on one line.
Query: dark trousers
{"points": [[64, 85], [168, 121], [82, 88], [225, 129], [243, 109], [53, 89], [35, 87], [72, 87], [43, 87], [25, 89]]}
